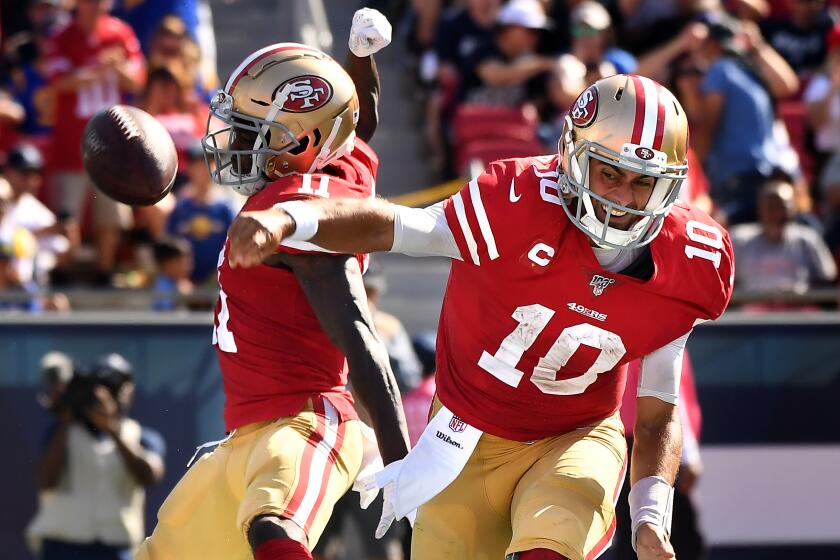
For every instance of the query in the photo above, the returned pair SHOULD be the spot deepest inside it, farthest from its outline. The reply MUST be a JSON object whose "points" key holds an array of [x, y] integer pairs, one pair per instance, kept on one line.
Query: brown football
{"points": [[129, 155]]}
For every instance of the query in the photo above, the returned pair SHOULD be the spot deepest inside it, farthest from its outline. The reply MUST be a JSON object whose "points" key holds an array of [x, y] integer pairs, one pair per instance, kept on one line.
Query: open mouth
{"points": [[619, 219], [615, 212]]}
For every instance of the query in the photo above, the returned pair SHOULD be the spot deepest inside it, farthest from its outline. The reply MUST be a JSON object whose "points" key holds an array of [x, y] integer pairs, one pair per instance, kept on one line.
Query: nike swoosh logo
{"points": [[513, 196]]}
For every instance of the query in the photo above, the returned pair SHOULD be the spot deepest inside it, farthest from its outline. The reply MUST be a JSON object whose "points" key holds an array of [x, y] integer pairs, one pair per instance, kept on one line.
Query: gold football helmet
{"points": [[633, 123], [287, 108]]}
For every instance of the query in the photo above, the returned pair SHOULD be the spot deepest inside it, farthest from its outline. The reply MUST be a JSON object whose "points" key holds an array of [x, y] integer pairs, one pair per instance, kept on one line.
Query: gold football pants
{"points": [[295, 467], [556, 493]]}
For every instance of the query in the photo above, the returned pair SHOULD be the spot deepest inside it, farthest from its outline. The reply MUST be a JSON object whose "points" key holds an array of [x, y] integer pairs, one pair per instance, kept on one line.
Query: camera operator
{"points": [[96, 464]]}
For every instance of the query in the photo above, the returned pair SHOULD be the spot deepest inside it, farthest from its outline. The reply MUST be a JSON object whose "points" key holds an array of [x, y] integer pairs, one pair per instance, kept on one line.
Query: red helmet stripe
{"points": [[660, 118], [639, 121], [254, 58]]}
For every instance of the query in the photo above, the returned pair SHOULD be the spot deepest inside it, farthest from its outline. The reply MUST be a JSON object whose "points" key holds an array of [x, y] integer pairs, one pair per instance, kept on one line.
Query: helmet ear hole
{"points": [[317, 135], [303, 143]]}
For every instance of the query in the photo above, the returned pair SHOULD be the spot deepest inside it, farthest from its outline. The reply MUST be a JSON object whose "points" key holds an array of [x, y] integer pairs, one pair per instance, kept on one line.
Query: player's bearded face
{"points": [[623, 187]]}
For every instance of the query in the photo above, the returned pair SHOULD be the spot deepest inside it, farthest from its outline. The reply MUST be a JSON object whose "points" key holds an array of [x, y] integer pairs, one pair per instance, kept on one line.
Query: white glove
{"points": [[388, 515], [370, 32]]}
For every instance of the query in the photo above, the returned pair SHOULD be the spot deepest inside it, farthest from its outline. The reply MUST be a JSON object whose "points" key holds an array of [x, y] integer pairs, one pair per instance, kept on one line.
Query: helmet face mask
{"points": [[287, 109], [604, 129], [240, 149]]}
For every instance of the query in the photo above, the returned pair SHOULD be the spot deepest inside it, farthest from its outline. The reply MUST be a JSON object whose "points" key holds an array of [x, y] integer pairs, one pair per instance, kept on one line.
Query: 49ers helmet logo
{"points": [[585, 108], [644, 153], [307, 94]]}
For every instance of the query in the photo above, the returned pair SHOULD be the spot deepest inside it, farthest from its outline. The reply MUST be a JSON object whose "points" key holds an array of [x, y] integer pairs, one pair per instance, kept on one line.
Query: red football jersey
{"points": [[534, 334], [73, 49], [272, 351]]}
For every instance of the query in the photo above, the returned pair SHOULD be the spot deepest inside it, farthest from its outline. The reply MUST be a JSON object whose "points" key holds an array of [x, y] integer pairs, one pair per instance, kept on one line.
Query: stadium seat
{"points": [[487, 150], [472, 122]]}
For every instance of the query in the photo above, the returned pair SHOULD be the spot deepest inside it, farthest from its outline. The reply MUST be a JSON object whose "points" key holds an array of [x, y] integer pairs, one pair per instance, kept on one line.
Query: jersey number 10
{"points": [[532, 321]]}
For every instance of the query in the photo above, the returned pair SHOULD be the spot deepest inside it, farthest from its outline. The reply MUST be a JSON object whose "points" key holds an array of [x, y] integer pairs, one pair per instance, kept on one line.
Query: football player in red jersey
{"points": [[295, 128], [564, 269]]}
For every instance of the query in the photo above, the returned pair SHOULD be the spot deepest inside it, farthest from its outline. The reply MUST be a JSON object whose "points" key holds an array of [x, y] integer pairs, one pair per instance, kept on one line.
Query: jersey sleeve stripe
{"points": [[465, 227], [483, 222]]}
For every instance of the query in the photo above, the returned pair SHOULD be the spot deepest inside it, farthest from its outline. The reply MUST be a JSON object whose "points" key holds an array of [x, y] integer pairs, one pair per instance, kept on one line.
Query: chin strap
{"points": [[323, 155]]}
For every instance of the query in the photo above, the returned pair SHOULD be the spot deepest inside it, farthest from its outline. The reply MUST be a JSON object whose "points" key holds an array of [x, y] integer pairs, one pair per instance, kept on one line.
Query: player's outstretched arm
{"points": [[340, 225], [656, 459], [369, 33], [333, 286]]}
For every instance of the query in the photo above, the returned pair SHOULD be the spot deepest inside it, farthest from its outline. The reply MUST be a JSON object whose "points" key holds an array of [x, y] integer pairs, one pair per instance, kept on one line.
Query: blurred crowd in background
{"points": [[758, 79], [64, 61]]}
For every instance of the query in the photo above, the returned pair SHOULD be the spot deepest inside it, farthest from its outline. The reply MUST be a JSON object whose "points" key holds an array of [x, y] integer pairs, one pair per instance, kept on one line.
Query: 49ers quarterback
{"points": [[565, 268], [295, 128]]}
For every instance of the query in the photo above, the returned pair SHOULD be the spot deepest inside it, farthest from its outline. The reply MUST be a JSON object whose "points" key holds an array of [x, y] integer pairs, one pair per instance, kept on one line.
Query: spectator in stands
{"points": [[822, 99], [174, 262], [145, 16], [776, 254], [26, 72], [422, 25], [174, 104], [509, 71], [659, 63], [592, 38], [565, 82], [15, 295], [27, 86], [95, 454], [737, 139], [12, 113], [40, 240], [461, 32], [418, 401], [801, 37], [404, 362], [95, 62], [648, 24], [830, 190], [167, 42], [202, 216]]}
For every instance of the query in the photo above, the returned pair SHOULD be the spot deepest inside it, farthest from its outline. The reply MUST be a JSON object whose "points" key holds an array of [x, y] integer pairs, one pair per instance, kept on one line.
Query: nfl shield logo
{"points": [[600, 283], [457, 425]]}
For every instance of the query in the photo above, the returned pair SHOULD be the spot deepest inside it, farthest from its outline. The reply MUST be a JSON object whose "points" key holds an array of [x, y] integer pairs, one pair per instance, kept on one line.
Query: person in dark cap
{"points": [[509, 71], [737, 143], [40, 239]]}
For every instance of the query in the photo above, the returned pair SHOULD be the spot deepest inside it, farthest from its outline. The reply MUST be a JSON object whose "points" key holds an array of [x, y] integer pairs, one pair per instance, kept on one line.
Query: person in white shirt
{"points": [[38, 240], [822, 97]]}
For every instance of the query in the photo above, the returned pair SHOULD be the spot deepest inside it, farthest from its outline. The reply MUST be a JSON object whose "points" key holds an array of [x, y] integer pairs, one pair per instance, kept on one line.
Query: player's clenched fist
{"points": [[370, 33], [651, 544], [255, 235]]}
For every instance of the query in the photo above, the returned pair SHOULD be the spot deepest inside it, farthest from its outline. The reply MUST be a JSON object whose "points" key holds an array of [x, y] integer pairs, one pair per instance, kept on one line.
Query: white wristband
{"points": [[651, 500], [305, 217]]}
